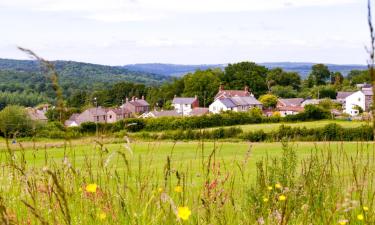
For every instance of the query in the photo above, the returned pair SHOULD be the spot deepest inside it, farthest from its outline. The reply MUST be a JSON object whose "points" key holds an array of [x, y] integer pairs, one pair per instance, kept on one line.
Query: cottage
{"points": [[199, 111], [185, 105], [232, 93], [237, 104], [289, 102], [36, 115], [158, 114], [72, 121], [358, 100], [97, 114], [117, 114], [136, 106], [289, 110]]}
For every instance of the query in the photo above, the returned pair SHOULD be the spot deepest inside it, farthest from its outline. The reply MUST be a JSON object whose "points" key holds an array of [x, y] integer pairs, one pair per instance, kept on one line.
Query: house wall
{"points": [[357, 98], [112, 117], [217, 107], [86, 116], [183, 108]]}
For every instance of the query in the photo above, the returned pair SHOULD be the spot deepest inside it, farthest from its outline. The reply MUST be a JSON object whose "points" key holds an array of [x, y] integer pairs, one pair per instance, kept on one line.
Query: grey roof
{"points": [[178, 100], [311, 102], [74, 116], [139, 102], [239, 101], [367, 92], [244, 101], [291, 101], [199, 111], [227, 102], [165, 113], [343, 94], [97, 111]]}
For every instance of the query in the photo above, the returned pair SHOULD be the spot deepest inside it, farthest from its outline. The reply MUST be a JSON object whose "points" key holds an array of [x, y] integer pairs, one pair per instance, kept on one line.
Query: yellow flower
{"points": [[360, 217], [282, 198], [178, 189], [343, 222], [160, 190], [278, 186], [365, 208], [270, 188], [91, 188], [183, 212], [102, 215], [265, 199]]}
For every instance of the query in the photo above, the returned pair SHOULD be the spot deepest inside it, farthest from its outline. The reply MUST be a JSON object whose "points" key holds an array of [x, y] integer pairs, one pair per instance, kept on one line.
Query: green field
{"points": [[267, 127], [219, 180]]}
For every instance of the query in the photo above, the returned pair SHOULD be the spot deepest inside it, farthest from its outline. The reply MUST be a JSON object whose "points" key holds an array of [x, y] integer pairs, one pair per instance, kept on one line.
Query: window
{"points": [[110, 116], [359, 99]]}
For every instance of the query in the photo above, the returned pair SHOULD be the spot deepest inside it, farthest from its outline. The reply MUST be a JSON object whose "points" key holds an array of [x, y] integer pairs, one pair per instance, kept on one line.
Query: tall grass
{"points": [[330, 186]]}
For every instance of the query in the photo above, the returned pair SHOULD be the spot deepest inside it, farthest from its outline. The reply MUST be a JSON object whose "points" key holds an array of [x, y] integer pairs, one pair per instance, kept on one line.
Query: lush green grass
{"points": [[266, 127], [220, 182]]}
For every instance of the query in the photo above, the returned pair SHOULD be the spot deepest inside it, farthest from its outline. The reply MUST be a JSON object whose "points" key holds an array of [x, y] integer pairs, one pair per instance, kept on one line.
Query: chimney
{"points": [[246, 88], [196, 96], [143, 97], [221, 87], [126, 99], [133, 98]]}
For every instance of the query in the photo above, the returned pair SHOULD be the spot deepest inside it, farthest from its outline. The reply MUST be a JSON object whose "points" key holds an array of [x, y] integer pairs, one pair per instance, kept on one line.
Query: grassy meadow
{"points": [[116, 181]]}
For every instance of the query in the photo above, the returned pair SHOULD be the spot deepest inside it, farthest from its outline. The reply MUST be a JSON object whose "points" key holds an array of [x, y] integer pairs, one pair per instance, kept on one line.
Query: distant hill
{"points": [[84, 73], [179, 70]]}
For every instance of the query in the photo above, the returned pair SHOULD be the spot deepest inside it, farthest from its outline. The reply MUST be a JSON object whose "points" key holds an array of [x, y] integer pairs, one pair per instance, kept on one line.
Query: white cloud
{"points": [[131, 10]]}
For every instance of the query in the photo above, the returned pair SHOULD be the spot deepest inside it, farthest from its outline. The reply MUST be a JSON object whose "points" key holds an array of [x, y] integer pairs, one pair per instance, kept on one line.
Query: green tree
{"points": [[268, 100], [204, 84], [284, 91], [14, 120], [239, 75], [337, 79], [319, 75], [279, 77]]}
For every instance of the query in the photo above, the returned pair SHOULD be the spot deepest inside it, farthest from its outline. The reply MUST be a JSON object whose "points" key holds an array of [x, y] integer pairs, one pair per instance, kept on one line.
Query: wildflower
{"points": [[360, 217], [183, 212], [265, 199], [178, 189], [102, 215], [365, 208], [343, 222], [278, 186], [160, 190], [270, 188], [91, 188], [282, 198]]}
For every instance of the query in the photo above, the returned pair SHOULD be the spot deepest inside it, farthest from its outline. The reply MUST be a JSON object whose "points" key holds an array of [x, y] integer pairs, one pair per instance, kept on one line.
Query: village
{"points": [[353, 103]]}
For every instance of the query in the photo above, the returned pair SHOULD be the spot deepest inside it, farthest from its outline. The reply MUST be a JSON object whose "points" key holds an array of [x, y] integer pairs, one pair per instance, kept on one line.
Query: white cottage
{"points": [[237, 104], [185, 105], [362, 99]]}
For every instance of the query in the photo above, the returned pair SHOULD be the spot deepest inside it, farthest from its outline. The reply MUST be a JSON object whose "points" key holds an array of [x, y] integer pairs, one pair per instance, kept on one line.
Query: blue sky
{"points": [[118, 32]]}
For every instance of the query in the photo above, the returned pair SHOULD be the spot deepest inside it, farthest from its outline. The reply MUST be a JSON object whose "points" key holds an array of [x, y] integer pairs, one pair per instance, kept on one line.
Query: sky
{"points": [[119, 32]]}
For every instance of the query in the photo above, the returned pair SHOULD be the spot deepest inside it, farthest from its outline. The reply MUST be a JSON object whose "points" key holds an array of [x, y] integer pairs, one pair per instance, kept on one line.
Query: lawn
{"points": [[267, 127], [147, 182]]}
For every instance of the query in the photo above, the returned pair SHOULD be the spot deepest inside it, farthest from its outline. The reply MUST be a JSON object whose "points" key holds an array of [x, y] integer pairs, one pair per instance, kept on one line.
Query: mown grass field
{"points": [[110, 181], [267, 127]]}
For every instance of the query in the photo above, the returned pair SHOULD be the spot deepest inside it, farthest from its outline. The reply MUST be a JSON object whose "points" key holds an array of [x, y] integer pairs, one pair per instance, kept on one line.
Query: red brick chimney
{"points": [[247, 89], [221, 87]]}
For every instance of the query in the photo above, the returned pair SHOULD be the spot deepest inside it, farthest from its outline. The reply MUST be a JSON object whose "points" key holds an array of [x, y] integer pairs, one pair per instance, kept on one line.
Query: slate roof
{"points": [[232, 93], [239, 101], [291, 101], [199, 111], [36, 114], [343, 94], [165, 113], [181, 100], [367, 91], [97, 111], [118, 111], [139, 102]]}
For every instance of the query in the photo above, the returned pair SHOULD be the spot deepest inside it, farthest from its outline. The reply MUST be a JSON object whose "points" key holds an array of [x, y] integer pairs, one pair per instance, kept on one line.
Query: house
{"points": [[232, 93], [136, 106], [199, 111], [341, 96], [36, 114], [289, 110], [185, 105], [311, 102], [237, 104], [97, 114], [363, 85], [158, 114], [289, 102], [72, 121], [114, 115], [361, 99]]}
